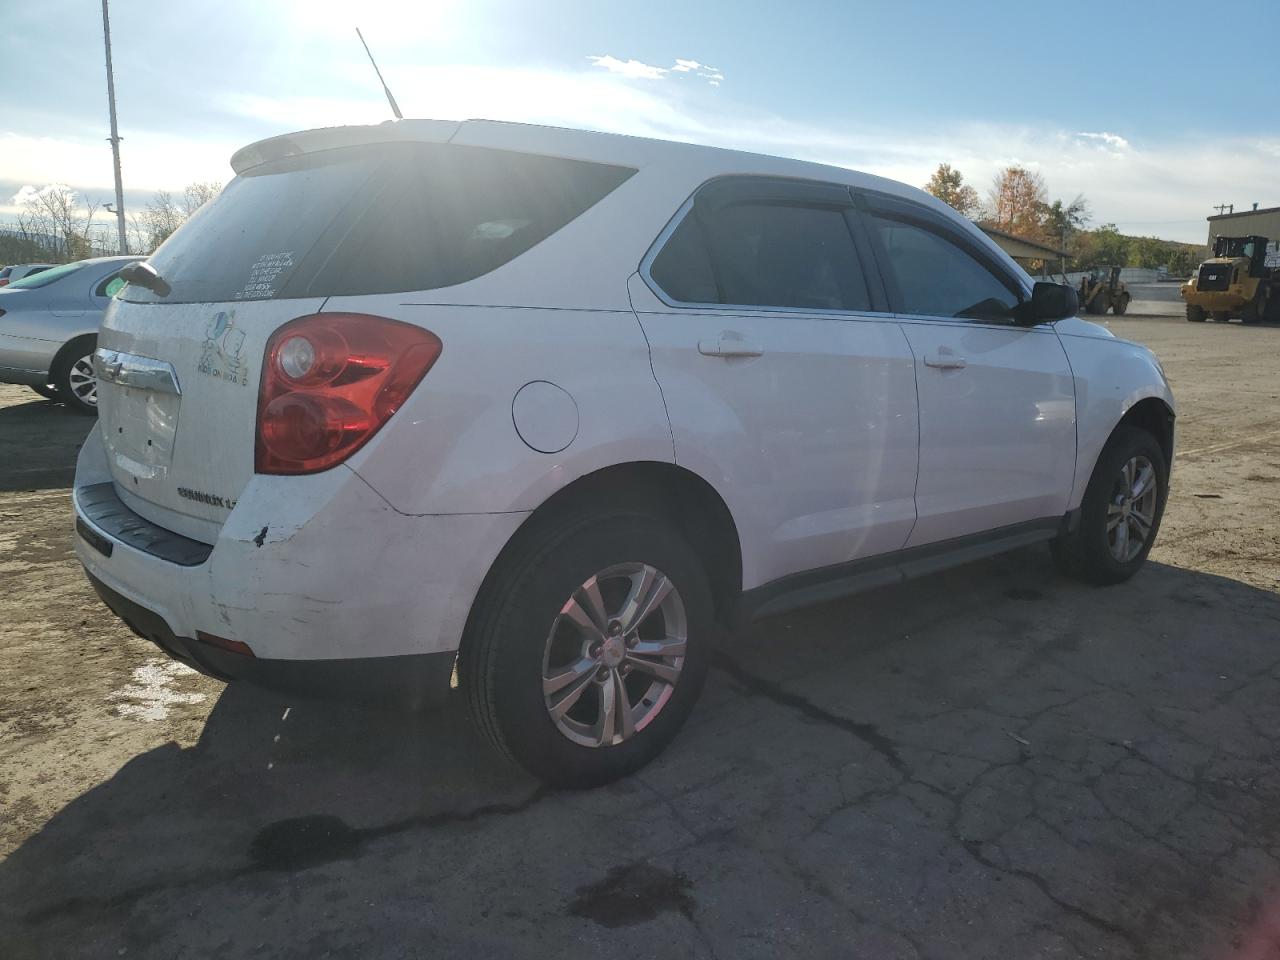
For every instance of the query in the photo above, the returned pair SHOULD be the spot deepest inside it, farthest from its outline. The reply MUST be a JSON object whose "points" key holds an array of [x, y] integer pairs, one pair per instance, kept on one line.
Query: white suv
{"points": [[531, 411]]}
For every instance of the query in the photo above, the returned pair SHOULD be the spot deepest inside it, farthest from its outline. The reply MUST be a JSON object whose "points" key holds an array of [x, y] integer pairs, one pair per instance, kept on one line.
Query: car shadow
{"points": [[39, 440], [184, 851]]}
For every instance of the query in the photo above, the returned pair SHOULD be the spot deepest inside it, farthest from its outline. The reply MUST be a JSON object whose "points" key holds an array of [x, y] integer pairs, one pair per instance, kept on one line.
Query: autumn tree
{"points": [[1016, 203], [947, 184]]}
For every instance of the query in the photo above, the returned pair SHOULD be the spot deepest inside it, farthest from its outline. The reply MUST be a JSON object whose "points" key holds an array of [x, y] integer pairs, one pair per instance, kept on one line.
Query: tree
{"points": [[947, 184], [160, 218], [59, 219], [165, 214], [196, 195], [1016, 203]]}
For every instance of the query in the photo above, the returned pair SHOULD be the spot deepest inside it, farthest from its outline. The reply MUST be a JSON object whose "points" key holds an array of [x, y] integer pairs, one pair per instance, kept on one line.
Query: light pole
{"points": [[115, 136]]}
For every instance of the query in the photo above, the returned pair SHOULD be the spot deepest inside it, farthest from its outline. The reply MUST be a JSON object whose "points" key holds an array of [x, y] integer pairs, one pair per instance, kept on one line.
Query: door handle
{"points": [[729, 344], [944, 361]]}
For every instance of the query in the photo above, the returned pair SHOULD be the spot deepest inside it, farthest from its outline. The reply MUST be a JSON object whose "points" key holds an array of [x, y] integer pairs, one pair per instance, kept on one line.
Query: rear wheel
{"points": [[1121, 511], [590, 648], [73, 376], [1195, 314]]}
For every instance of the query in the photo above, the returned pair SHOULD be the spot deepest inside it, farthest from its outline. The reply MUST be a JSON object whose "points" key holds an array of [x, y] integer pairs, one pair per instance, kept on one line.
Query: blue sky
{"points": [[1116, 100]]}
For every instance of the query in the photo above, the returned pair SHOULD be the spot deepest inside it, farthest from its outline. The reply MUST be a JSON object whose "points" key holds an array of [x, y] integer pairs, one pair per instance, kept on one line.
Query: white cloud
{"points": [[638, 70], [1106, 140], [1160, 188], [634, 69]]}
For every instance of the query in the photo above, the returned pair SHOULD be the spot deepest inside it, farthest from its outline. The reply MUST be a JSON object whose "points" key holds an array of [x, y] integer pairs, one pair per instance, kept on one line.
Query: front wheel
{"points": [[591, 648], [1121, 511], [1195, 314], [1121, 306]]}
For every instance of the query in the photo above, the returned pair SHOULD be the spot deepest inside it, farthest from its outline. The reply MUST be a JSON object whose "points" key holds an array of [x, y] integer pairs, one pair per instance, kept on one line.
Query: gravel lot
{"points": [[992, 762]]}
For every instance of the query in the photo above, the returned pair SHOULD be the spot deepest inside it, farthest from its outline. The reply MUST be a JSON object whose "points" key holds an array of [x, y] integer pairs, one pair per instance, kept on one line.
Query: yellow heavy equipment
{"points": [[1241, 279], [1100, 293]]}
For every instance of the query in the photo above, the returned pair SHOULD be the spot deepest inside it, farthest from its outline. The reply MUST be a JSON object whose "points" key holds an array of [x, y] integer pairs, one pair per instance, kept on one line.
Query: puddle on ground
{"points": [[304, 842], [632, 894], [1022, 593]]}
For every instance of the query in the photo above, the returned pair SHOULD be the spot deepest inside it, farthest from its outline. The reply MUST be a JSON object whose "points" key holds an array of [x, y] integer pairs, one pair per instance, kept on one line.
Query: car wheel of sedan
{"points": [[589, 654], [74, 379], [1121, 511]]}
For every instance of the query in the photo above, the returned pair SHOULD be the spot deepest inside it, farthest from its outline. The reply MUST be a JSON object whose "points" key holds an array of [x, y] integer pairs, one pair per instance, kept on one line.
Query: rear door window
{"points": [[764, 254], [385, 218]]}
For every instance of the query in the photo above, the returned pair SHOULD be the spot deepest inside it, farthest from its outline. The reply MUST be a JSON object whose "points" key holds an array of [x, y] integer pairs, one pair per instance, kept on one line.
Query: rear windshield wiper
{"points": [[145, 275]]}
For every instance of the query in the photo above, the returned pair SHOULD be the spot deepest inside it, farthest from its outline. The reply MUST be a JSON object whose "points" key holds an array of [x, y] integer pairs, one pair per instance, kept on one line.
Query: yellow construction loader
{"points": [[1102, 292], [1241, 279]]}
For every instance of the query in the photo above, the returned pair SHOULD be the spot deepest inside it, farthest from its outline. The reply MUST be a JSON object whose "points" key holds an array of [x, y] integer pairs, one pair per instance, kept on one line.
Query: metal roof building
{"points": [[1243, 223]]}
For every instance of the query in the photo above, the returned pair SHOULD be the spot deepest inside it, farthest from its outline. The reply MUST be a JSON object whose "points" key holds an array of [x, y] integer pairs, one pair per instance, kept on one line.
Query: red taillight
{"points": [[329, 383]]}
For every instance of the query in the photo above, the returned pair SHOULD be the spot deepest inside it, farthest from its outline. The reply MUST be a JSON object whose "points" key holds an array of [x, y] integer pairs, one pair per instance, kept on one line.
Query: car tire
{"points": [[48, 391], [1102, 548], [533, 630], [1195, 314], [73, 376]]}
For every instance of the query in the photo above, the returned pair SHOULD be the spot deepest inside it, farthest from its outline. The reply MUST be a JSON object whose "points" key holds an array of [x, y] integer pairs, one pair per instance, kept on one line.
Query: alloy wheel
{"points": [[83, 381], [1131, 509], [614, 654]]}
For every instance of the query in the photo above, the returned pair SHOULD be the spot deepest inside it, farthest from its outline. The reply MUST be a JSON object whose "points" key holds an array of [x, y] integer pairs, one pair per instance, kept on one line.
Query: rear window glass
{"points": [[385, 218], [44, 277]]}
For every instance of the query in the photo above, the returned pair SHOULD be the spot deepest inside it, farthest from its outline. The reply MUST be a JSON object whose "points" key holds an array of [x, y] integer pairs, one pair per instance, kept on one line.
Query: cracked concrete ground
{"points": [[991, 762]]}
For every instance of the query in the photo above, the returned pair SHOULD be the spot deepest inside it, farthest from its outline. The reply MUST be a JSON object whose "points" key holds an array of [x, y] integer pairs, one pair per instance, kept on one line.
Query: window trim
{"points": [[727, 190], [874, 203]]}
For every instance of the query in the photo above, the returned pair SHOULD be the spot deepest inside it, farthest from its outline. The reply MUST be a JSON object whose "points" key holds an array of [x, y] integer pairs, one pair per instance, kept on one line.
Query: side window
{"points": [[763, 254], [109, 287], [682, 267], [936, 277], [777, 255]]}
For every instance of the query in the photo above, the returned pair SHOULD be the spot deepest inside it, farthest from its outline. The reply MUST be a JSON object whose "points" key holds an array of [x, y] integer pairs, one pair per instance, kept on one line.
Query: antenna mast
{"points": [[385, 89]]}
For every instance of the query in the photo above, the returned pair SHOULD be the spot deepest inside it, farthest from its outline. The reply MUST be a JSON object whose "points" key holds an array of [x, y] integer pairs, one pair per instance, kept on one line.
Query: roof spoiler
{"points": [[331, 138]]}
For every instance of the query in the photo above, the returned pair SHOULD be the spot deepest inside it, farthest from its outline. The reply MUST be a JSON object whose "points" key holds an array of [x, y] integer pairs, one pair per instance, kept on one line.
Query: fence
{"points": [[49, 248]]}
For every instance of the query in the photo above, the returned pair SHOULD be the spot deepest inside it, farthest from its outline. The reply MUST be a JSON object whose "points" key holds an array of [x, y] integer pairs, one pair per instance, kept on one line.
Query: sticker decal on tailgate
{"points": [[222, 355]]}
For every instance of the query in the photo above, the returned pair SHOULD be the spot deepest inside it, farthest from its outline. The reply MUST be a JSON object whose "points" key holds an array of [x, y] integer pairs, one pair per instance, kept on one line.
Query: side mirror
{"points": [[144, 275], [1049, 301]]}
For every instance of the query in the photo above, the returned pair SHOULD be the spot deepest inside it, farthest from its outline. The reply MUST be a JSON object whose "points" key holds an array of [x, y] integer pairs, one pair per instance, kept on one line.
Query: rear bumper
{"points": [[320, 579], [412, 681]]}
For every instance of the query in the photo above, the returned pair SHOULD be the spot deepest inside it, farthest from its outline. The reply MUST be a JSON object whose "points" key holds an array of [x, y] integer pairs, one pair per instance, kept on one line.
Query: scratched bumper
{"points": [[413, 681], [338, 577]]}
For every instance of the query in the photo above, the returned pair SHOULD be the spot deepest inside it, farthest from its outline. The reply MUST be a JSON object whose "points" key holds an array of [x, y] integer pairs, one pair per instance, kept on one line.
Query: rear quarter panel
{"points": [[454, 446]]}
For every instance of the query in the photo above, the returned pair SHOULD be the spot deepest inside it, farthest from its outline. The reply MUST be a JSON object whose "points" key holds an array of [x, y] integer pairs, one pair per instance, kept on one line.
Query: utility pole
{"points": [[115, 135]]}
